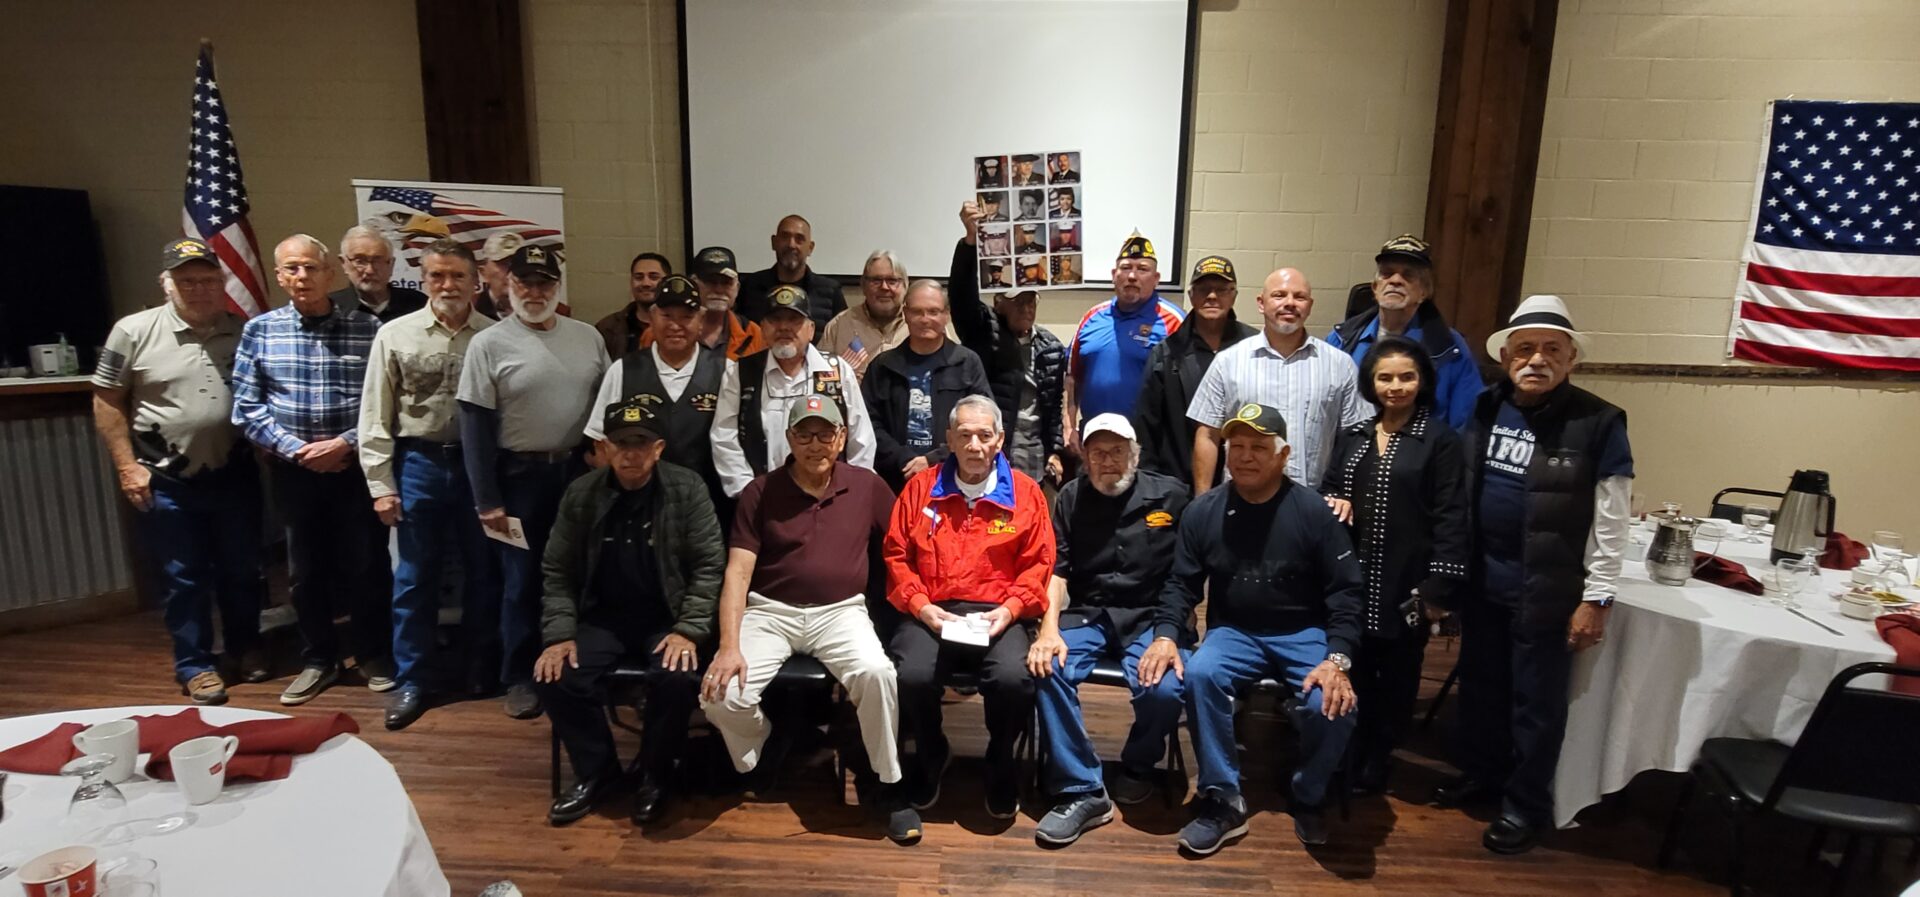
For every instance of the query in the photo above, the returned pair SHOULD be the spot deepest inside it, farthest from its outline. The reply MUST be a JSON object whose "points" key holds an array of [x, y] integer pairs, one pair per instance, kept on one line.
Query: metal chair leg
{"points": [[1735, 885], [1673, 822], [555, 770], [1846, 865], [1446, 687], [1176, 778], [1814, 844]]}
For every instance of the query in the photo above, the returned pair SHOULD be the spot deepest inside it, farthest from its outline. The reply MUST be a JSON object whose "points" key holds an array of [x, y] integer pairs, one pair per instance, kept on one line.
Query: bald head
{"points": [[792, 246], [1286, 299]]}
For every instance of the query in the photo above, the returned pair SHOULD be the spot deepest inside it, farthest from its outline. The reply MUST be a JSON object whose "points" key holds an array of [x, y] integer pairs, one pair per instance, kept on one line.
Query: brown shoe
{"points": [[207, 688]]}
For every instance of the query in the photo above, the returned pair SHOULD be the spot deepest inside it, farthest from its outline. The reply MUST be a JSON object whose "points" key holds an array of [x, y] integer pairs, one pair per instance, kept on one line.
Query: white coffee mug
{"points": [[200, 765], [121, 738]]}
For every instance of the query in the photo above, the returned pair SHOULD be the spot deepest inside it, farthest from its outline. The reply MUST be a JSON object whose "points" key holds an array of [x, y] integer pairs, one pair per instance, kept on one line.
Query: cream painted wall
{"points": [[97, 97]]}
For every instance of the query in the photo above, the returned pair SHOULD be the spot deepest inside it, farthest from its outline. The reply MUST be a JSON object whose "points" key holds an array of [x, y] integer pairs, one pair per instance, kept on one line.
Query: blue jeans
{"points": [[530, 489], [204, 536], [1073, 767], [436, 513], [1230, 660]]}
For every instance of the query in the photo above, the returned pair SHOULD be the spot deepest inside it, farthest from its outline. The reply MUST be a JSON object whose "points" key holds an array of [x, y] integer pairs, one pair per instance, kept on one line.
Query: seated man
{"points": [[1285, 602], [969, 546], [632, 568], [796, 581], [1114, 529]]}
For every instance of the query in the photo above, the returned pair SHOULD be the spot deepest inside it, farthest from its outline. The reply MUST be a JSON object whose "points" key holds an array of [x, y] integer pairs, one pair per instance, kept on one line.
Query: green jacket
{"points": [[686, 543]]}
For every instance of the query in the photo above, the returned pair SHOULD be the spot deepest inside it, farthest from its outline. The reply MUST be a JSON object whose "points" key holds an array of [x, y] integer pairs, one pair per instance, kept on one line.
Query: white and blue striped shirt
{"points": [[1314, 388]]}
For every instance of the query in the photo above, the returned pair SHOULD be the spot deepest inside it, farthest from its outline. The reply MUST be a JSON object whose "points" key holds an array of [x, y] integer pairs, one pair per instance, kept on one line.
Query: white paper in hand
{"points": [[968, 630], [515, 535]]}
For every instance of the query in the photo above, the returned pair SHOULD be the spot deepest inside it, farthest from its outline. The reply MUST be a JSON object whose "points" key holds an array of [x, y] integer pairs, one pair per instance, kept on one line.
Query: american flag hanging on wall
{"points": [[1832, 261], [216, 201]]}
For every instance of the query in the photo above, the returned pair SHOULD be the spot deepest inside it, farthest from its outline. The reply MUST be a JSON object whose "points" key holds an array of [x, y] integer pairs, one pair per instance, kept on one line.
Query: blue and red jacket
{"points": [[999, 551]]}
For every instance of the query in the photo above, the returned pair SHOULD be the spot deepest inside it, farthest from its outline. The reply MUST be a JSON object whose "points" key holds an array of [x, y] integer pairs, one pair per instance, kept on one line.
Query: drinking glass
{"points": [[1791, 576], [1755, 519], [133, 876], [97, 805], [1887, 543]]}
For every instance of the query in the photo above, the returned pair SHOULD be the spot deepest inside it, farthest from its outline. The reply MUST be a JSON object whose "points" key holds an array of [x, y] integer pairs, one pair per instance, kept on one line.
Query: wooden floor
{"points": [[479, 780]]}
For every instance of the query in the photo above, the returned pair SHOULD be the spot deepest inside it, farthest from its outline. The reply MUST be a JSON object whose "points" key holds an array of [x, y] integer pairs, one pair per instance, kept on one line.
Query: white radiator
{"points": [[60, 532]]}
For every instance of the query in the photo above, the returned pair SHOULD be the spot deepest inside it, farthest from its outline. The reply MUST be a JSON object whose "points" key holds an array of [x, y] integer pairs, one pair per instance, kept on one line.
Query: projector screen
{"points": [[865, 117]]}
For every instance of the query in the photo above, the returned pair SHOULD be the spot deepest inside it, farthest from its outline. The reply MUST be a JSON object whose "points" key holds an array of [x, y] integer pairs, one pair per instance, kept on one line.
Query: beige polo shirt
{"points": [[413, 377], [179, 382]]}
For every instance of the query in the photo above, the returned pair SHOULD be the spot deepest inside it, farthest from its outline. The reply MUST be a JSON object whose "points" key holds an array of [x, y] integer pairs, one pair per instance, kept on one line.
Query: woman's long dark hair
{"points": [[1388, 347]]}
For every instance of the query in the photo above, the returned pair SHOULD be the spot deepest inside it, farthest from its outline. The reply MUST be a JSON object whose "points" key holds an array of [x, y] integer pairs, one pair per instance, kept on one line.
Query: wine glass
{"points": [[1755, 519], [1887, 543], [131, 876], [97, 805]]}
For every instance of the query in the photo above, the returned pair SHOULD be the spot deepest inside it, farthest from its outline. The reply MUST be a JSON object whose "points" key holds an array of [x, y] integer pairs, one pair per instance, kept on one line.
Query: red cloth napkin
{"points": [[1901, 629], [1842, 553], [267, 746], [1724, 572]]}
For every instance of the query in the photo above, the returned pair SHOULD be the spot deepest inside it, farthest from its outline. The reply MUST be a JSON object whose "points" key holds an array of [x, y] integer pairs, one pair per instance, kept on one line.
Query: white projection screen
{"points": [[865, 116]]}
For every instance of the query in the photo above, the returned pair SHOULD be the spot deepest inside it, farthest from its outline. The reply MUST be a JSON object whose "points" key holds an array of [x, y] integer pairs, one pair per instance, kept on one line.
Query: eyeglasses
{"points": [[297, 268], [885, 281], [366, 261], [809, 437]]}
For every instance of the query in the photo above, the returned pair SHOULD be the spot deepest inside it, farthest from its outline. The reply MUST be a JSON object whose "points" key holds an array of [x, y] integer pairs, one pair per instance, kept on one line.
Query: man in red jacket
{"points": [[969, 551]]}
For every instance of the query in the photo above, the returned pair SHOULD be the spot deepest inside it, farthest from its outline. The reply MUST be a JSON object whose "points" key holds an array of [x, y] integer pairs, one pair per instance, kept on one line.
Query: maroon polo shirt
{"points": [[812, 551]]}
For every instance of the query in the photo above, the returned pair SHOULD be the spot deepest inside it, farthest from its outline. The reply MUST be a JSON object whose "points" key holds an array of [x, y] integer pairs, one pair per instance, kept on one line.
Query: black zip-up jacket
{"points": [[957, 373], [1116, 564], [1174, 370], [824, 297], [1314, 576], [981, 329]]}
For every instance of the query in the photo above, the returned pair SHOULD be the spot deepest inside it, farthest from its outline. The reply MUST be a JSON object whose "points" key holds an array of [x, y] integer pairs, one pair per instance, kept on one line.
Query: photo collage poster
{"points": [[1030, 235]]}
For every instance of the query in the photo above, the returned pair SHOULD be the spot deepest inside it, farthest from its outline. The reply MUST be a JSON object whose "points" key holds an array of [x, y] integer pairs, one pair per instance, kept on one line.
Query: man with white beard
{"points": [[750, 427], [1114, 530], [410, 449], [526, 391]]}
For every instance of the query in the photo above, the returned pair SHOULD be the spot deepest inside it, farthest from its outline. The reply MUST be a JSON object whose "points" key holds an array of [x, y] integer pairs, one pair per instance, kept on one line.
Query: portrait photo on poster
{"points": [[989, 172], [1030, 239], [1063, 167], [1063, 202], [1031, 271], [994, 274], [993, 205], [1026, 170], [995, 239], [1064, 236], [1066, 269], [1032, 205]]}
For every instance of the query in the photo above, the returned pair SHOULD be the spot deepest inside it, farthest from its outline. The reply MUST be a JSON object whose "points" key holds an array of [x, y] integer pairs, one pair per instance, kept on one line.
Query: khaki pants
{"points": [[841, 637]]}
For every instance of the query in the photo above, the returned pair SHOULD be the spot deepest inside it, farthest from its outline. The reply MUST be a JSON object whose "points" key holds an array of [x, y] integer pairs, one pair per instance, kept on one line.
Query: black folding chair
{"points": [[1108, 672], [1731, 510], [1290, 703], [1847, 771]]}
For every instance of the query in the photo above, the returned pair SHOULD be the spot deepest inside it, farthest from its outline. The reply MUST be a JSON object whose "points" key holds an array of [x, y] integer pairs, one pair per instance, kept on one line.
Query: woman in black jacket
{"points": [[1398, 482]]}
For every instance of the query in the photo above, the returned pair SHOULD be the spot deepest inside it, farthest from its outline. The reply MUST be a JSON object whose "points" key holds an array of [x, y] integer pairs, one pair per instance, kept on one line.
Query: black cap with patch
{"points": [[715, 261], [787, 297], [533, 261], [1406, 247], [181, 251], [634, 417], [1137, 247], [677, 292], [1262, 419], [1214, 266]]}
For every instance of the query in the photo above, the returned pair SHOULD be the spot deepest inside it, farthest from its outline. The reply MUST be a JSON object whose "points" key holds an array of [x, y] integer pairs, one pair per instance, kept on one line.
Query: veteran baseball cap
{"points": [[633, 417], [182, 251], [787, 297], [1137, 247], [715, 261], [1213, 266], [677, 292], [1026, 157], [1405, 247], [1262, 419], [806, 407], [533, 261], [1117, 424]]}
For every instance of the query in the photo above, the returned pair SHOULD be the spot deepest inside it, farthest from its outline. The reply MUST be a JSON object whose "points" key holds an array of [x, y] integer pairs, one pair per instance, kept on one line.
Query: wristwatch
{"points": [[1340, 661]]}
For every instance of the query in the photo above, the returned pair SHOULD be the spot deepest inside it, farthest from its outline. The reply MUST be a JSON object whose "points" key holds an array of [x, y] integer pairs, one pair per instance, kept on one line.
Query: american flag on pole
{"points": [[419, 209], [1832, 275], [215, 210]]}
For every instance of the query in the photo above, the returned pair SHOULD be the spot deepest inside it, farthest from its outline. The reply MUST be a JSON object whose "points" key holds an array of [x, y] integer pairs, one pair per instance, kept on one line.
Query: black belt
{"points": [[414, 444], [543, 457]]}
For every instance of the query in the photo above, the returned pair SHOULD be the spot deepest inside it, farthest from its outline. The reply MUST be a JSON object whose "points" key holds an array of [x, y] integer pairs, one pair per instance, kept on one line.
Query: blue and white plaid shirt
{"points": [[297, 379]]}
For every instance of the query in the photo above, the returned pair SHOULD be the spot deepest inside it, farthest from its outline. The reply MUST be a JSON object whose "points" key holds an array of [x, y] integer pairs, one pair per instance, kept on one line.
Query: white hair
{"points": [[886, 255], [312, 242], [928, 283], [977, 401], [363, 232]]}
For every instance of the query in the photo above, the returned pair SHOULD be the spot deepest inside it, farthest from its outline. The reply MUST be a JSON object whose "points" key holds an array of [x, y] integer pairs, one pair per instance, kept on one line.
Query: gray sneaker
{"points": [[1076, 816], [1128, 787], [379, 675], [1217, 820], [309, 684]]}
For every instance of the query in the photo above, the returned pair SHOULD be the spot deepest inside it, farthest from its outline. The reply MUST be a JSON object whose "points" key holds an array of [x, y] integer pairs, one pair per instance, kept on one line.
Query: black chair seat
{"points": [[1108, 671], [1748, 767], [800, 669]]}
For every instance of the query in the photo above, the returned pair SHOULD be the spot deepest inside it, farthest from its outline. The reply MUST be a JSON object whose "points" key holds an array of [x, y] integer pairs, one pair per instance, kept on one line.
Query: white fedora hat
{"points": [[1542, 312]]}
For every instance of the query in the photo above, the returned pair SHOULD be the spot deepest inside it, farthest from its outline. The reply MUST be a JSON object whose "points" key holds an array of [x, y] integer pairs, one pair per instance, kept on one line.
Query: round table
{"points": [[340, 824], [1682, 664]]}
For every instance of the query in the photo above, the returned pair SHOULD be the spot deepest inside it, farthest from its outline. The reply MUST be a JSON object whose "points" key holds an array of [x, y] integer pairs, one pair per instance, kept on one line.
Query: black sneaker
{"points": [[1003, 789], [522, 702], [903, 821], [1217, 821], [931, 765], [1309, 825], [1075, 816], [1128, 787]]}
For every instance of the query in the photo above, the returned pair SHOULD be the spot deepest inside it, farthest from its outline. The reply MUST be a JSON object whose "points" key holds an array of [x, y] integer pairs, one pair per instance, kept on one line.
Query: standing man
{"points": [[1114, 531], [792, 243], [525, 390], [1549, 469], [749, 429], [494, 255], [1176, 367], [913, 387], [1026, 364], [680, 377], [1311, 383], [1402, 286], [367, 258], [296, 395], [622, 329], [410, 449], [796, 582], [1284, 602], [969, 546], [163, 405], [1107, 359], [718, 280], [631, 573], [875, 325]]}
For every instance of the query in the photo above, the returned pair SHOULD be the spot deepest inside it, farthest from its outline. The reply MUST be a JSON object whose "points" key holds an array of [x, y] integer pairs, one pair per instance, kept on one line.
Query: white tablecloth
{"points": [[339, 826], [1682, 664]]}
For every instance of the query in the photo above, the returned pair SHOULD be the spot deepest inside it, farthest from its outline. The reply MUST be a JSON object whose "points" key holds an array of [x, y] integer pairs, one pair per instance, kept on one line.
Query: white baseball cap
{"points": [[1117, 424]]}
